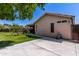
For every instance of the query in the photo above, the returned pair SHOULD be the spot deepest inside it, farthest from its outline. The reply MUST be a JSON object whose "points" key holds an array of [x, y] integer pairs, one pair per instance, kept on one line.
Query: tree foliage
{"points": [[2, 26], [25, 10]]}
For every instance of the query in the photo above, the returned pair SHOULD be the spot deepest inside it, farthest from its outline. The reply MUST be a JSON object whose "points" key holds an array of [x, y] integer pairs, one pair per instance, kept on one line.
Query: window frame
{"points": [[59, 21], [64, 21]]}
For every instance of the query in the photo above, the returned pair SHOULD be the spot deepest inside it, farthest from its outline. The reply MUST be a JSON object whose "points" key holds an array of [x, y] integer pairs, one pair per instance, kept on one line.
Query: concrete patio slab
{"points": [[42, 47], [25, 49], [64, 48]]}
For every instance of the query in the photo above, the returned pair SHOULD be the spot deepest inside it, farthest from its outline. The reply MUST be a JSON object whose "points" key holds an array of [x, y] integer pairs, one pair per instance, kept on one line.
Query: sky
{"points": [[61, 8]]}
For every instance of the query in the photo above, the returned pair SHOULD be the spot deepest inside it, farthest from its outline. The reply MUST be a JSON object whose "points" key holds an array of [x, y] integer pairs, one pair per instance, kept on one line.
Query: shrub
{"points": [[26, 31]]}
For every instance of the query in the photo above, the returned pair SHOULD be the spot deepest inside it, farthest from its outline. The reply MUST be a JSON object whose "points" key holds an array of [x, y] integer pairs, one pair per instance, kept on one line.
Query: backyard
{"points": [[10, 38]]}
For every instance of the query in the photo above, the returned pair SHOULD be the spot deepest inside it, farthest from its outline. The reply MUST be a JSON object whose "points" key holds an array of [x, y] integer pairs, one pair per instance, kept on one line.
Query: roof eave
{"points": [[64, 15]]}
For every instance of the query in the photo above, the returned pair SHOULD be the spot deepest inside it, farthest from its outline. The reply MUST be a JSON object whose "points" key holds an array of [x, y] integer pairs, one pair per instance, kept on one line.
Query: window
{"points": [[64, 21], [58, 21], [52, 27]]}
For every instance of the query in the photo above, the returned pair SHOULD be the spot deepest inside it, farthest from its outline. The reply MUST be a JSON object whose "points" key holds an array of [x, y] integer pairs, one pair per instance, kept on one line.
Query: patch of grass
{"points": [[10, 38]]}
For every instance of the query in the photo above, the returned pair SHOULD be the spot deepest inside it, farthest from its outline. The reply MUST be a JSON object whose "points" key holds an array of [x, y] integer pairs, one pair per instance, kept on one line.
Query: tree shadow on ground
{"points": [[4, 44], [32, 36]]}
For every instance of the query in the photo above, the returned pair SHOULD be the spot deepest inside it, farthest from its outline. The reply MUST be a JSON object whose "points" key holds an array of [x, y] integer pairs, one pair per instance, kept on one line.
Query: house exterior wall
{"points": [[42, 27]]}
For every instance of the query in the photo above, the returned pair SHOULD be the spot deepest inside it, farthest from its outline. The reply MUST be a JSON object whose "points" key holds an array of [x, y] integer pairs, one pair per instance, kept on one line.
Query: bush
{"points": [[26, 31], [15, 28]]}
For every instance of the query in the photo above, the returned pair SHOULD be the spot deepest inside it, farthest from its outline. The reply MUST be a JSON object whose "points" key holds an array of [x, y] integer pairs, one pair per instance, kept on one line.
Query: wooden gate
{"points": [[75, 32]]}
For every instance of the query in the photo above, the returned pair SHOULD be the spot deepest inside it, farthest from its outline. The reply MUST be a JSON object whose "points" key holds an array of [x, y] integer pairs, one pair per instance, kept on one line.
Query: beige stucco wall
{"points": [[43, 27]]}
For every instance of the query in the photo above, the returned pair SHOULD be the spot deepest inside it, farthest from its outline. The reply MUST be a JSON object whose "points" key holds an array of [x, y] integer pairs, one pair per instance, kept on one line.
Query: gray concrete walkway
{"points": [[42, 47]]}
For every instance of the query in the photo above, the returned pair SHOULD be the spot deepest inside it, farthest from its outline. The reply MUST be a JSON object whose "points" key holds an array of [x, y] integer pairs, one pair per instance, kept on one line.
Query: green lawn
{"points": [[9, 38]]}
